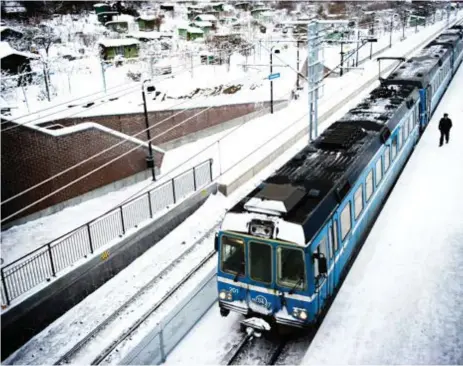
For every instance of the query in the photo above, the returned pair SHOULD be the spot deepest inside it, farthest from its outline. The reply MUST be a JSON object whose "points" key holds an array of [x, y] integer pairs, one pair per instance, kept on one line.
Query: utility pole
{"points": [[149, 159], [103, 74], [341, 71], [390, 34], [271, 81], [297, 66]]}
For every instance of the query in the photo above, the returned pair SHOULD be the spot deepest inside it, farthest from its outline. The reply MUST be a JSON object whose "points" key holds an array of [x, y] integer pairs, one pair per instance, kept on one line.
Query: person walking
{"points": [[445, 124]]}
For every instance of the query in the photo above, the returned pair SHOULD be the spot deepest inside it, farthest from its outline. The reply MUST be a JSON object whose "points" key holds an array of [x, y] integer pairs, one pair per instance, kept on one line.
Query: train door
{"points": [[333, 249], [320, 264], [429, 92]]}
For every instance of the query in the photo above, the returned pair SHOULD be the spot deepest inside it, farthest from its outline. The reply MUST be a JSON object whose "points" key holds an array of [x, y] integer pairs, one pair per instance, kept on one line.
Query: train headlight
{"points": [[300, 313], [226, 295], [303, 315]]}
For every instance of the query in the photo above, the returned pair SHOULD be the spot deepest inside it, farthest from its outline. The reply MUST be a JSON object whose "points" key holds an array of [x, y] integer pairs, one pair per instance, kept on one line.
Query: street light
{"points": [[149, 159], [277, 51]]}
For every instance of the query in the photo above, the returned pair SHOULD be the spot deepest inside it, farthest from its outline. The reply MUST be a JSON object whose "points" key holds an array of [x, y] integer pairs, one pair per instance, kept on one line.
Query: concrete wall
{"points": [[162, 340], [31, 155], [133, 123], [278, 105], [23, 321]]}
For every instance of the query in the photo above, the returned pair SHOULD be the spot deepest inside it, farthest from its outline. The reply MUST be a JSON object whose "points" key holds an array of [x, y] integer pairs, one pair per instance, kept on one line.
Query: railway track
{"points": [[101, 342], [255, 350]]}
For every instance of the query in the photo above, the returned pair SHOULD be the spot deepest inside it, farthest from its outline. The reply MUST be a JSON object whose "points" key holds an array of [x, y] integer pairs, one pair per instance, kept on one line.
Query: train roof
{"points": [[311, 185], [419, 70], [448, 39], [385, 106]]}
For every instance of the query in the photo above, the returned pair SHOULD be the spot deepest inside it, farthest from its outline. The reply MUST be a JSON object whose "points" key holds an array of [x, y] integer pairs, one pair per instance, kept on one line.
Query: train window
{"points": [[379, 171], [291, 267], [233, 255], [399, 139], [335, 241], [358, 202], [387, 157], [405, 131], [330, 242], [410, 125], [369, 185], [393, 148], [260, 262], [346, 221]]}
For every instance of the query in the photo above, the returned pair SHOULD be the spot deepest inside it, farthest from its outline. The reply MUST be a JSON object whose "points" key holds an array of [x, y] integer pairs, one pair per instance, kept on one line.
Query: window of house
{"points": [[346, 221]]}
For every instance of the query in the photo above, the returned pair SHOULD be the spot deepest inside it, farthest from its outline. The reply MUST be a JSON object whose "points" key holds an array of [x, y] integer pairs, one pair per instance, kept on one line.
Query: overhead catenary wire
{"points": [[97, 154], [137, 85], [129, 90], [100, 153], [103, 165]]}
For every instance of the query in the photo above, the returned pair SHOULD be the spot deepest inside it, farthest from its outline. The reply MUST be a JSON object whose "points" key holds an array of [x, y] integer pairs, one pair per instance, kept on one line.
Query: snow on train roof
{"points": [[419, 67], [381, 105]]}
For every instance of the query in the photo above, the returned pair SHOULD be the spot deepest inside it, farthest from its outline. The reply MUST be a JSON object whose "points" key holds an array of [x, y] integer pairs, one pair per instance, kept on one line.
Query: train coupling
{"points": [[255, 326]]}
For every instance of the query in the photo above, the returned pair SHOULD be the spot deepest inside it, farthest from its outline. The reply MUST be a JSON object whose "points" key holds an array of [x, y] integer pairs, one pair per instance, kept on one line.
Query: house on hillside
{"points": [[218, 6], [126, 47], [12, 9], [102, 8], [8, 33], [206, 18], [147, 23], [15, 62], [119, 26], [244, 5], [107, 16], [206, 27], [194, 33], [167, 7], [257, 12], [145, 36]]}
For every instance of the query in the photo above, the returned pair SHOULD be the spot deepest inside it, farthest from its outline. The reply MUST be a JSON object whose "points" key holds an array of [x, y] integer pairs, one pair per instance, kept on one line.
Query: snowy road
{"points": [[402, 302]]}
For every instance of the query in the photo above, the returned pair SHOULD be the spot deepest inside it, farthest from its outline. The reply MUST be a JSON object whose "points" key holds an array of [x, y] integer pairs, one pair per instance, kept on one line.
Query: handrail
{"points": [[74, 251]]}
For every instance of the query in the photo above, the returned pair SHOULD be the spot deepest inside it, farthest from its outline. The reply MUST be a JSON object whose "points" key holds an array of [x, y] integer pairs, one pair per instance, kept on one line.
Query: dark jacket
{"points": [[445, 124]]}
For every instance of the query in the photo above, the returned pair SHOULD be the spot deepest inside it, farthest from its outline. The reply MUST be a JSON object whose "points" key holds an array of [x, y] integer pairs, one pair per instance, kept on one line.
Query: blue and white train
{"points": [[284, 248]]}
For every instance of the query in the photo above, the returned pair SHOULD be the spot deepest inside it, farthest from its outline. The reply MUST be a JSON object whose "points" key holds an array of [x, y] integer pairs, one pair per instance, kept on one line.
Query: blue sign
{"points": [[274, 76]]}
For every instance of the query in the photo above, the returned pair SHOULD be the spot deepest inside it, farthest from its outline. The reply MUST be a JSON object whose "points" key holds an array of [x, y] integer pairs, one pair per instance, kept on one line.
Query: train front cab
{"points": [[266, 278]]}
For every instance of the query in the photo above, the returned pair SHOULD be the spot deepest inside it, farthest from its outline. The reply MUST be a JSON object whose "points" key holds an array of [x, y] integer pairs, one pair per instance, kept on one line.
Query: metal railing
{"points": [[40, 265]]}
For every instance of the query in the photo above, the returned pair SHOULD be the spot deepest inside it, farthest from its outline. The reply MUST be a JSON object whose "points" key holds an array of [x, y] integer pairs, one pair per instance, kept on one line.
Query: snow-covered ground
{"points": [[402, 301], [60, 336], [200, 345], [221, 147]]}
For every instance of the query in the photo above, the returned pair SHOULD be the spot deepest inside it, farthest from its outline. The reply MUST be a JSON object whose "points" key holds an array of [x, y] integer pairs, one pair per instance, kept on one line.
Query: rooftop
{"points": [[207, 17], [118, 42], [7, 50]]}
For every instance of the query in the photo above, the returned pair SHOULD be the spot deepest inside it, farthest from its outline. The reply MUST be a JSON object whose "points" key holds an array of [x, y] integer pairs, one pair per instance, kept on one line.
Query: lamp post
{"points": [[277, 51], [149, 159], [297, 67], [390, 34]]}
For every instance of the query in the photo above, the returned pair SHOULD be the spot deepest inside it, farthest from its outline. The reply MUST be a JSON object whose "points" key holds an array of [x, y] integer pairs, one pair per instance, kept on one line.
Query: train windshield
{"points": [[233, 255], [260, 256], [291, 268]]}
